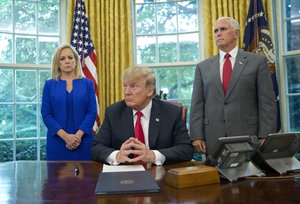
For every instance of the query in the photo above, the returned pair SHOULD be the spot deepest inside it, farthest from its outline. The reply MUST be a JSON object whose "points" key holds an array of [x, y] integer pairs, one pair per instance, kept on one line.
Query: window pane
{"points": [[47, 46], [176, 83], [6, 85], [141, 1], [293, 73], [51, 1], [165, 0], [26, 86], [26, 150], [6, 16], [26, 50], [26, 124], [294, 104], [167, 82], [6, 121], [29, 33], [145, 19], [186, 79], [167, 48], [43, 149], [48, 18], [6, 151], [146, 52], [25, 17], [6, 48], [188, 16], [172, 48], [44, 75], [43, 129], [147, 1], [166, 18], [189, 47], [293, 37], [292, 8]]}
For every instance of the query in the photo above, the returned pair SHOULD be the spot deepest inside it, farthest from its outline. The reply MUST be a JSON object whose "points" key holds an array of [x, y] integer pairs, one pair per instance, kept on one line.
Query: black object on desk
{"points": [[277, 153], [231, 156], [126, 183]]}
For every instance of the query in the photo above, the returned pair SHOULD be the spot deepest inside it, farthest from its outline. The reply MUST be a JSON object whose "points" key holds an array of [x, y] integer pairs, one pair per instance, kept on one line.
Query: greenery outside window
{"points": [[292, 63], [166, 38], [29, 33]]}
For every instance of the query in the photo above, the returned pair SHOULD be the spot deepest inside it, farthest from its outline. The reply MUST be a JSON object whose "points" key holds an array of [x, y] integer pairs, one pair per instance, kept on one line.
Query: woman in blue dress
{"points": [[68, 108]]}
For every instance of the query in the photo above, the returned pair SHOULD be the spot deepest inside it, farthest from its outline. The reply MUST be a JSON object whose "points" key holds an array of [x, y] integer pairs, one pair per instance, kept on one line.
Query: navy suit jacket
{"points": [[167, 132]]}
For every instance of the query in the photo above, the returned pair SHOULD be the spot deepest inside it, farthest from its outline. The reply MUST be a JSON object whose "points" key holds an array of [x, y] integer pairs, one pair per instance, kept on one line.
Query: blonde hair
{"points": [[56, 72], [146, 73]]}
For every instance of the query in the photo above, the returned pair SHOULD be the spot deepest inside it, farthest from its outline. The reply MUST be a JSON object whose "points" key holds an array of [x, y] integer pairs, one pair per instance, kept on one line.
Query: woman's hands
{"points": [[72, 140]]}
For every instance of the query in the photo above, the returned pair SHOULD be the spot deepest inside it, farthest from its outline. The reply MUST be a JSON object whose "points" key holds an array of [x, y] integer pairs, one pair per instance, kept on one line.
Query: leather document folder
{"points": [[126, 183]]}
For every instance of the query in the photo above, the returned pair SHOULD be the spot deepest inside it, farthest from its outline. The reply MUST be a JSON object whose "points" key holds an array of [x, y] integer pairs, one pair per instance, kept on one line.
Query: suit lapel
{"points": [[239, 65], [154, 123], [215, 72], [127, 121]]}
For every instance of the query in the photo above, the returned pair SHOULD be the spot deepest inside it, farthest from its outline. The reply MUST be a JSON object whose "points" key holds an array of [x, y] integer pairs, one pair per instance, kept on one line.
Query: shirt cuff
{"points": [[159, 158], [112, 158]]}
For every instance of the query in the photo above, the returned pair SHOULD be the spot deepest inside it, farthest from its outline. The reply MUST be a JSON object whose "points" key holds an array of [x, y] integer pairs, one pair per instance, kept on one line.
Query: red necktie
{"points": [[227, 69], [138, 130]]}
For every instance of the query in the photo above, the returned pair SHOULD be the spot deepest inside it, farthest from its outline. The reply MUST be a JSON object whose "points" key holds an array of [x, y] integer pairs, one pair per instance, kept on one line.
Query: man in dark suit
{"points": [[245, 106], [166, 138]]}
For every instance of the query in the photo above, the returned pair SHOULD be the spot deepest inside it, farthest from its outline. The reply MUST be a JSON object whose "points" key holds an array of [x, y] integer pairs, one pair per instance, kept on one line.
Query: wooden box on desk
{"points": [[192, 176]]}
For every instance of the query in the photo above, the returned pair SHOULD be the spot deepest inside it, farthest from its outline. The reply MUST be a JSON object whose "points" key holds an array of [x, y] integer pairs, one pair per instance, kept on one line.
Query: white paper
{"points": [[122, 168]]}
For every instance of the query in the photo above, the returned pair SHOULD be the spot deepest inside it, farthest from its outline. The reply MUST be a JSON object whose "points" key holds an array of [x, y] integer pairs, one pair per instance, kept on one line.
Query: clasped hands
{"points": [[137, 148], [72, 141]]}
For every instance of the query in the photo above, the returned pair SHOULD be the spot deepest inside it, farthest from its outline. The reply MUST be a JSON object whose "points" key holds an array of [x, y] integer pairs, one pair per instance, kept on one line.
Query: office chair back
{"points": [[184, 109]]}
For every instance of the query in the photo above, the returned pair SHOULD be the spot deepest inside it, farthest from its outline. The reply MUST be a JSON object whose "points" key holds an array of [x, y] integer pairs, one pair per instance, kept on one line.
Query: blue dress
{"points": [[70, 112]]}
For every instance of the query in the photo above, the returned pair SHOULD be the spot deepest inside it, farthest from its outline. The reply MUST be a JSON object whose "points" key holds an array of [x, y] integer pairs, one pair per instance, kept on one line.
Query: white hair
{"points": [[232, 21]]}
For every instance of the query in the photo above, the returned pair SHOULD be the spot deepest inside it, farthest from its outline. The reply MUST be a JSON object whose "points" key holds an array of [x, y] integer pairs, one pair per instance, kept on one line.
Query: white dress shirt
{"points": [[233, 54]]}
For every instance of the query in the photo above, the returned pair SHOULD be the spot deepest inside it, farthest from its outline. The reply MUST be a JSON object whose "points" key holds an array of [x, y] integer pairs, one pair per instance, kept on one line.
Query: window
{"points": [[291, 61], [29, 33], [292, 21], [166, 35]]}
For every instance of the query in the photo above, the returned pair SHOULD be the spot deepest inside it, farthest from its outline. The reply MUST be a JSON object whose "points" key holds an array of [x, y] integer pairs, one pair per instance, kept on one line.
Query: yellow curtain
{"points": [[237, 9], [110, 28]]}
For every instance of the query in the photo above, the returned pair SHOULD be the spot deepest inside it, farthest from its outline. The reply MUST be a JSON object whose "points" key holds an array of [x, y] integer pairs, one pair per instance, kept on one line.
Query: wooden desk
{"points": [[54, 182]]}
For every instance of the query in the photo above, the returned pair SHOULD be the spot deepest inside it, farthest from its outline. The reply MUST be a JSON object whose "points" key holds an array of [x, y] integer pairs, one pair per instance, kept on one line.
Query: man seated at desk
{"points": [[142, 127]]}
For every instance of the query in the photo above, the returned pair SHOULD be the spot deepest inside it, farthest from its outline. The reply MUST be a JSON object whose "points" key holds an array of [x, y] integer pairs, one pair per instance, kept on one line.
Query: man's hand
{"points": [[139, 149], [199, 146], [261, 141], [125, 151], [142, 152]]}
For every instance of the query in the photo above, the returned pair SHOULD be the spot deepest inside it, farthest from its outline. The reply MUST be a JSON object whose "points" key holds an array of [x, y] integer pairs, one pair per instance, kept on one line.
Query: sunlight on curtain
{"points": [[110, 27], [238, 9]]}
